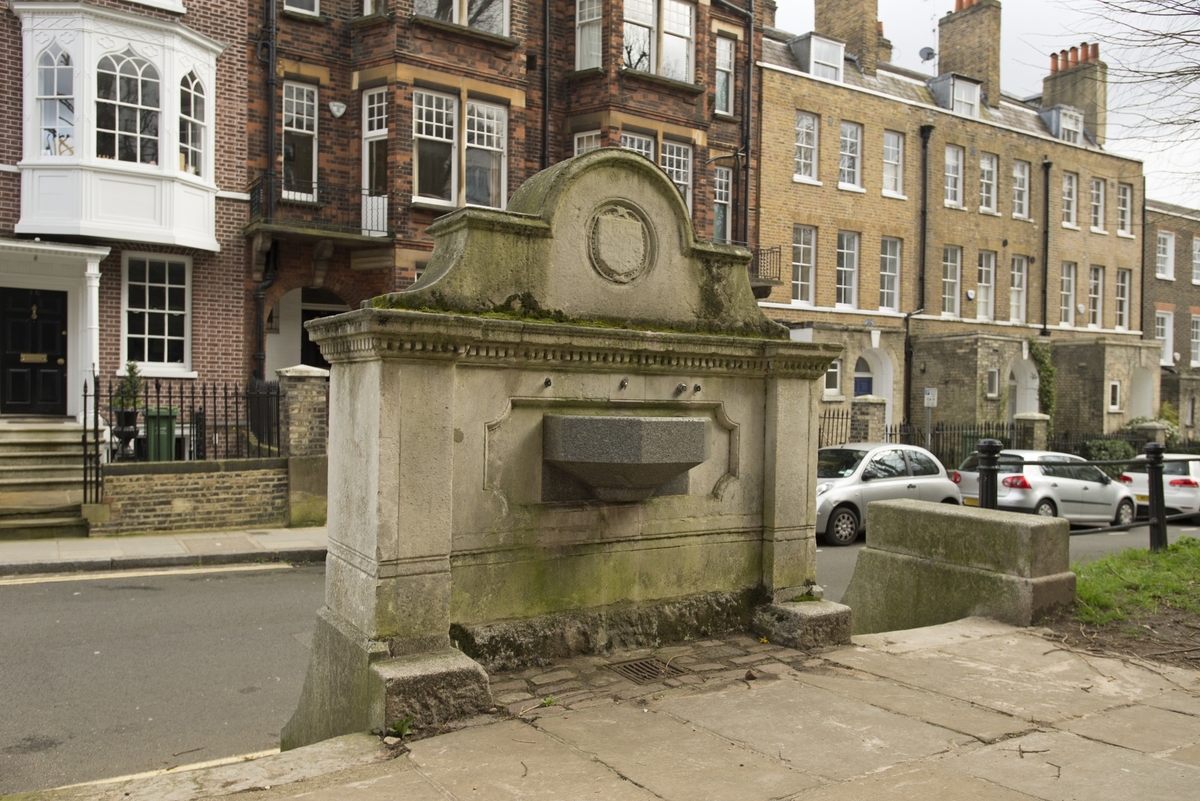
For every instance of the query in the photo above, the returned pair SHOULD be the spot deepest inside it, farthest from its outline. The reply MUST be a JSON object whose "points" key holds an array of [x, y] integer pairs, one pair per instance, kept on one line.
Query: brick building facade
{"points": [[936, 225], [1171, 305], [184, 182], [122, 205]]}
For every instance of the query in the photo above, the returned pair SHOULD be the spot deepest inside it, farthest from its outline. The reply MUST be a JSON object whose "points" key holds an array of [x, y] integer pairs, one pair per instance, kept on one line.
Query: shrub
{"points": [[1107, 450]]}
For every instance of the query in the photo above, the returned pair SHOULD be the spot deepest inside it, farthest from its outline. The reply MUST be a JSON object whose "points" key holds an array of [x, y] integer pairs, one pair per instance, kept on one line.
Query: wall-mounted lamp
{"points": [[337, 109]]}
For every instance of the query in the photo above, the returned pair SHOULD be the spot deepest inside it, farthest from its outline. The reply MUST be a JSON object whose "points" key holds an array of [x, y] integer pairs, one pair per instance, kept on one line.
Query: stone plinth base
{"points": [[352, 685], [540, 640], [804, 624], [928, 563]]}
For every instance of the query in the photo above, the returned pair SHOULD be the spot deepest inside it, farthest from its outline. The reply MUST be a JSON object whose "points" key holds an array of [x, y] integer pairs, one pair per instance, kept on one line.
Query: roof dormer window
{"points": [[966, 97], [819, 56], [1070, 126]]}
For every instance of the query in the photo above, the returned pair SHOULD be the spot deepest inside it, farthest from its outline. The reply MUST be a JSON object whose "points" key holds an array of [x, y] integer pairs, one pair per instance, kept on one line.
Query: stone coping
{"points": [[368, 334], [198, 466]]}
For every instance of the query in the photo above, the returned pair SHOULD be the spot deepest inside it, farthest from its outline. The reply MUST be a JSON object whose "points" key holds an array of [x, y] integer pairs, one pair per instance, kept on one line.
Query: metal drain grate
{"points": [[647, 671]]}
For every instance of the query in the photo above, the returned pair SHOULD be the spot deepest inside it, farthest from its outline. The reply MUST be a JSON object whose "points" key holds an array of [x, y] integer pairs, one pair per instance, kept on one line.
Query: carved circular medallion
{"points": [[621, 241]]}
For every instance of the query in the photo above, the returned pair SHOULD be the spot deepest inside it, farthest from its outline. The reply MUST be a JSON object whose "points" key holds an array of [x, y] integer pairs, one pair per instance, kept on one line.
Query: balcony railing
{"points": [[321, 206], [765, 267]]}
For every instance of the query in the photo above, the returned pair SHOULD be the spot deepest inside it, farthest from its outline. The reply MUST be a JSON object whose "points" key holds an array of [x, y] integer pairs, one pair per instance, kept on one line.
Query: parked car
{"points": [[1181, 484], [1079, 492], [851, 476]]}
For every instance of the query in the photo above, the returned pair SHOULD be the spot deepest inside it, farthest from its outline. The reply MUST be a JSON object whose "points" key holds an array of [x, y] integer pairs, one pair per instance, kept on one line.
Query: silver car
{"points": [[1181, 483], [1079, 492], [851, 476]]}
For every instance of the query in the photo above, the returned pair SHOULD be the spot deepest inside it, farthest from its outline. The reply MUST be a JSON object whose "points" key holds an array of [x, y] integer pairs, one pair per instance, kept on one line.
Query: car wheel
{"points": [[1125, 512], [950, 501], [1046, 508], [843, 527]]}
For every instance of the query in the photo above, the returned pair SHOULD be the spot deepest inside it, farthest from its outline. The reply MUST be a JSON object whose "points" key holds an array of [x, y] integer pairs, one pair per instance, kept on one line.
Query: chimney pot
{"points": [[1084, 50], [1074, 56], [1053, 63], [1095, 54], [958, 5], [1062, 60]]}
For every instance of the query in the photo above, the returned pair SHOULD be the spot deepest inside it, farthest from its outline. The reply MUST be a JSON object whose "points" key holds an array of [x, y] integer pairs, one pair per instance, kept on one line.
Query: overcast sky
{"points": [[1030, 31]]}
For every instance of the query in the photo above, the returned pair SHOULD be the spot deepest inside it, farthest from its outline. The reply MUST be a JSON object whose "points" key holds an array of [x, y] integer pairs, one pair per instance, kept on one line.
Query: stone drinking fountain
{"points": [[576, 433]]}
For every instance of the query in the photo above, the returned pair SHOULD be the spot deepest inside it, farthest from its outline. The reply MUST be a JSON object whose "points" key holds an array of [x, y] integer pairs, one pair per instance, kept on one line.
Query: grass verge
{"points": [[1133, 584]]}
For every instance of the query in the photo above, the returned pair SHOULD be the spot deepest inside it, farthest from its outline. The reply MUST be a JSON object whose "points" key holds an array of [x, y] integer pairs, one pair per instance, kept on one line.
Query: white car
{"points": [[1181, 483], [851, 476]]}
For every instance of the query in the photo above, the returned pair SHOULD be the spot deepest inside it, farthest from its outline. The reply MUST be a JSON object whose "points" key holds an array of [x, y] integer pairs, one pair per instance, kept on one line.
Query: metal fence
{"points": [[174, 420], [767, 264], [948, 442], [322, 205], [833, 427]]}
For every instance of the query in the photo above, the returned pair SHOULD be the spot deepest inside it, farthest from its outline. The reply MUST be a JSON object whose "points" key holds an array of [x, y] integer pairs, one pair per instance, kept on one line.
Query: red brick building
{"points": [[184, 182]]}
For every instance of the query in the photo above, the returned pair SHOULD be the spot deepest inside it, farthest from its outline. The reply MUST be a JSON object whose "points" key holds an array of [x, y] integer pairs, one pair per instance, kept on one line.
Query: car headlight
{"points": [[823, 488]]}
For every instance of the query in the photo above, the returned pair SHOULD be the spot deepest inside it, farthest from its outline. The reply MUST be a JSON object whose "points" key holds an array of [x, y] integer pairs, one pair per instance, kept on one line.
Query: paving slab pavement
{"points": [[25, 557], [967, 710]]}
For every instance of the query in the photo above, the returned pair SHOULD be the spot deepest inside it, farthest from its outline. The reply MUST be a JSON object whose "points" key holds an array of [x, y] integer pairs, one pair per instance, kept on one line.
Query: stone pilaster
{"points": [[868, 419], [303, 400], [1032, 430]]}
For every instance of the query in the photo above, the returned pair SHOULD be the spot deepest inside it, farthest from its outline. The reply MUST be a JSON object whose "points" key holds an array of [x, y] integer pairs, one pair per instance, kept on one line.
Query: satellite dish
{"points": [[926, 54]]}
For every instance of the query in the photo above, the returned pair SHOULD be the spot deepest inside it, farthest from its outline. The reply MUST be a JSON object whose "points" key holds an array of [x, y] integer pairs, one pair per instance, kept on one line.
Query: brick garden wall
{"points": [[194, 496]]}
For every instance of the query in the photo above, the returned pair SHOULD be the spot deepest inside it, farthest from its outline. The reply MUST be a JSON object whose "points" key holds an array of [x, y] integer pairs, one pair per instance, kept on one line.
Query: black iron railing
{"points": [[833, 428], [322, 205], [766, 265], [178, 420]]}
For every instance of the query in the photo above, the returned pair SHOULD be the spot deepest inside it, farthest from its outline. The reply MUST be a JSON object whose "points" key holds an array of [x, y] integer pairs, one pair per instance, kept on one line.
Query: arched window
{"points": [[127, 109], [56, 102], [191, 125], [864, 379]]}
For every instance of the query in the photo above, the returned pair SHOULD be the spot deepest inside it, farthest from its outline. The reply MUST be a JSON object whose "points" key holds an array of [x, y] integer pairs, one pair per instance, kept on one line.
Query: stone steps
{"points": [[42, 523], [41, 472]]}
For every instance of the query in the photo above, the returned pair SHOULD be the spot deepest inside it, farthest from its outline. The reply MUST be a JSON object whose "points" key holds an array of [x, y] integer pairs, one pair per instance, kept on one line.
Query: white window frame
{"points": [[850, 156], [993, 382], [1164, 256], [1125, 209], [1195, 354], [989, 163], [846, 276], [1021, 190], [835, 373], [300, 120], [1114, 396], [676, 161], [1123, 289], [804, 265], [1018, 286], [157, 369], [890, 253], [1070, 200], [375, 133], [664, 23], [951, 279], [954, 176], [310, 7], [723, 86], [826, 58], [587, 141], [148, 72], [1098, 190], [589, 34], [430, 111], [1164, 333], [638, 143], [460, 14], [1066, 294], [722, 204], [808, 135], [56, 106], [1095, 304], [965, 98], [1070, 126], [985, 286], [1195, 259], [473, 126], [193, 124], [893, 164]]}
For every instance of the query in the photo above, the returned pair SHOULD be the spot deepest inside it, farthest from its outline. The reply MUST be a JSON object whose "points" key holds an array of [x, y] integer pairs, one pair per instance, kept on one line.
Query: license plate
{"points": [[970, 501], [1142, 498]]}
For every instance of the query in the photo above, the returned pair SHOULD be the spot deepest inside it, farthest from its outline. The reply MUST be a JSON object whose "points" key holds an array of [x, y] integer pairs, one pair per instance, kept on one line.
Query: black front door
{"points": [[33, 351]]}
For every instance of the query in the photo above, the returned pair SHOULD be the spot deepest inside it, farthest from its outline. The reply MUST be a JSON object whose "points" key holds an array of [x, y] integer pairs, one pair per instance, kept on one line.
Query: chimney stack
{"points": [[855, 22], [885, 47], [969, 44], [1079, 78]]}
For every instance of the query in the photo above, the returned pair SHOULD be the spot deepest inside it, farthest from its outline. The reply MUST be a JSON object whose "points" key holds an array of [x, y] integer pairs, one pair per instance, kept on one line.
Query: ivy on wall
{"points": [[1039, 351]]}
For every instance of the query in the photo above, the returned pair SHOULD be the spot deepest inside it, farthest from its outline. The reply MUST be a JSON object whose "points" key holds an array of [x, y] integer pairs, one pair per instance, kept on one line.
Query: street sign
{"points": [[930, 397]]}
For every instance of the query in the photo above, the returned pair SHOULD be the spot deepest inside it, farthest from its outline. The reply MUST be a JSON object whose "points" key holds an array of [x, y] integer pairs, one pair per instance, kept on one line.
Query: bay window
{"points": [[127, 108], [56, 101], [191, 124], [658, 38], [677, 163], [490, 16], [588, 32], [437, 139]]}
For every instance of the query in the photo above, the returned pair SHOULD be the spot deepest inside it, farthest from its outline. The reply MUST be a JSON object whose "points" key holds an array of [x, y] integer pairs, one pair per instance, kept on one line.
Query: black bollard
{"points": [[989, 461], [1158, 507]]}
